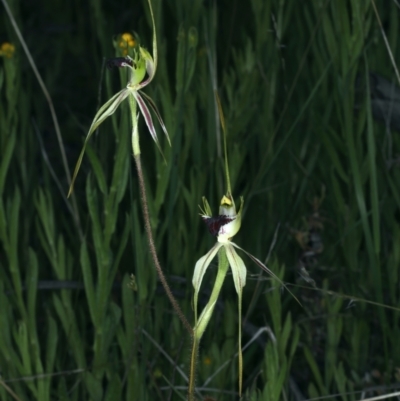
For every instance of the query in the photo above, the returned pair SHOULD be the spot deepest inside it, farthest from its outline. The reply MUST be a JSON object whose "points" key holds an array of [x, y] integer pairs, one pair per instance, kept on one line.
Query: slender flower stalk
{"points": [[139, 65], [153, 250]]}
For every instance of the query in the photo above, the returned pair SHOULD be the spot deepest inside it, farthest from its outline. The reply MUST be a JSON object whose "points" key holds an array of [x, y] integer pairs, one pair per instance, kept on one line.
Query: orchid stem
{"points": [[152, 247], [240, 355], [146, 216], [135, 129], [192, 373], [201, 325]]}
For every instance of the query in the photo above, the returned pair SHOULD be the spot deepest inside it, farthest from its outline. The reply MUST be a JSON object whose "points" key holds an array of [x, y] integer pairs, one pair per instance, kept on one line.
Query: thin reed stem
{"points": [[8, 389]]}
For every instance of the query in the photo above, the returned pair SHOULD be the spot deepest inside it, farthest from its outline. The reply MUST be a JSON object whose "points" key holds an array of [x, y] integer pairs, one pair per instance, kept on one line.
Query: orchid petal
{"points": [[150, 67], [108, 109], [206, 209], [238, 268], [157, 113], [259, 263], [265, 268], [105, 111], [147, 116], [199, 271]]}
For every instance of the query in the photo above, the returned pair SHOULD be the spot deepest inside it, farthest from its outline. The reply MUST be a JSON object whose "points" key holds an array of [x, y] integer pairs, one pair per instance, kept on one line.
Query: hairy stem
{"points": [[152, 247]]}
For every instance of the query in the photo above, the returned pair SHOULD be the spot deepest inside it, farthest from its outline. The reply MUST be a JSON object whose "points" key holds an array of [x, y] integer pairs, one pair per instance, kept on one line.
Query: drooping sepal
{"points": [[199, 271]]}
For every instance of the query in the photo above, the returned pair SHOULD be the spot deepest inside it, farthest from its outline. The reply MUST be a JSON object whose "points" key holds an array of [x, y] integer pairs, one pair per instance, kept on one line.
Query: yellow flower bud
{"points": [[7, 50]]}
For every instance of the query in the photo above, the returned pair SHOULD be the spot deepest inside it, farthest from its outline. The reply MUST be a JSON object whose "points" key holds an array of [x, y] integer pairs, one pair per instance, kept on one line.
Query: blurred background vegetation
{"points": [[312, 119]]}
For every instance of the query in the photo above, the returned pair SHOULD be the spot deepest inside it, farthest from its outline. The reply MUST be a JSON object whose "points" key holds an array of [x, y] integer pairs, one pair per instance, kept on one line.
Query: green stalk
{"points": [[221, 116], [223, 266], [192, 369], [240, 355], [135, 130]]}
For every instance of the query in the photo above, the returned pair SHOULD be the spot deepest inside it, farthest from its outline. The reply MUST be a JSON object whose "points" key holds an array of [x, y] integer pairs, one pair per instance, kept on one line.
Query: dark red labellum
{"points": [[215, 223], [118, 62]]}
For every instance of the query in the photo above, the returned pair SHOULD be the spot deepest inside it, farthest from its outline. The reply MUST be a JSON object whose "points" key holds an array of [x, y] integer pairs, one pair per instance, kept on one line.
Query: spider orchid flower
{"points": [[140, 64], [224, 227]]}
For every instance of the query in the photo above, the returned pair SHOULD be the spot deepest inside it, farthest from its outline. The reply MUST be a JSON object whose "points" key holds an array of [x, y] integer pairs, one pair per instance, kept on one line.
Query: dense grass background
{"points": [[309, 151]]}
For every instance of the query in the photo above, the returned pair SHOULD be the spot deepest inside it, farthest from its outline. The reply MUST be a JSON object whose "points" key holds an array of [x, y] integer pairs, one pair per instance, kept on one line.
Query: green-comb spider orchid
{"points": [[141, 63], [225, 226]]}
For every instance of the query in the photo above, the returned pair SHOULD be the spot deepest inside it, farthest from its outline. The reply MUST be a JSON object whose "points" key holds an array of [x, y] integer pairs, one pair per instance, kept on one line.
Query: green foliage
{"points": [[82, 314]]}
